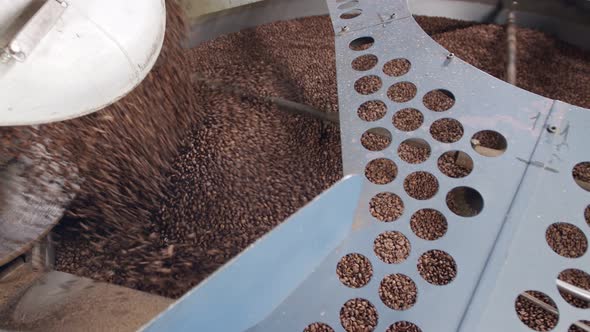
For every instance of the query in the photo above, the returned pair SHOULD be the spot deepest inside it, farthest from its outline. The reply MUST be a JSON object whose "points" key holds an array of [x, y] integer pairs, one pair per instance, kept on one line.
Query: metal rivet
{"points": [[450, 56], [552, 129], [345, 28]]}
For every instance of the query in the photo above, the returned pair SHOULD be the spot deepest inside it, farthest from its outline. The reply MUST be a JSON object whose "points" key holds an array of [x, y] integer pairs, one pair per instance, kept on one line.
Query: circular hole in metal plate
{"points": [[455, 164], [421, 185], [536, 310], [318, 327], [364, 62], [414, 150], [372, 110], [351, 14], [358, 315], [367, 85], [398, 292], [566, 240], [392, 247], [354, 270], [437, 267], [439, 100], [581, 174], [465, 201], [381, 171], [428, 224], [446, 130], [361, 44], [580, 326], [403, 326], [386, 207], [397, 67], [376, 139], [580, 280], [408, 119], [489, 143], [402, 92]]}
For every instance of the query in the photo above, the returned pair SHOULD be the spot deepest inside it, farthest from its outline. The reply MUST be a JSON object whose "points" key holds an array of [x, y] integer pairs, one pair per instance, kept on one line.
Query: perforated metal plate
{"points": [[492, 249]]}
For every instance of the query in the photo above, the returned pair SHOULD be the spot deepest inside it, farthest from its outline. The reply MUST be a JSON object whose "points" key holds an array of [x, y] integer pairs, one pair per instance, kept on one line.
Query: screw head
{"points": [[552, 128], [345, 28], [450, 56]]}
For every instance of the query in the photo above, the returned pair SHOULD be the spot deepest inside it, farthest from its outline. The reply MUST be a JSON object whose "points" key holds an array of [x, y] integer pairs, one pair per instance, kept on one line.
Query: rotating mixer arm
{"points": [[33, 31]]}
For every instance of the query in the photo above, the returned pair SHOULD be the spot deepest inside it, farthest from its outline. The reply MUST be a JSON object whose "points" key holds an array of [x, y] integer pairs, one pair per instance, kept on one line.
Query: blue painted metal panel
{"points": [[252, 285]]}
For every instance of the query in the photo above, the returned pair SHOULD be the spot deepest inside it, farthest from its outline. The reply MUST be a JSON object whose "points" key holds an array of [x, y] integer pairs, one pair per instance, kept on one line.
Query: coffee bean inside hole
{"points": [[534, 316], [439, 100], [354, 270], [392, 247], [429, 224], [398, 291], [421, 185], [579, 279], [372, 110], [446, 130], [581, 174], [396, 67], [358, 315], [381, 171], [367, 85], [318, 327], [437, 267], [414, 151], [408, 119], [489, 143], [364, 62], [386, 207], [376, 139], [455, 164], [403, 326], [566, 240], [402, 92]]}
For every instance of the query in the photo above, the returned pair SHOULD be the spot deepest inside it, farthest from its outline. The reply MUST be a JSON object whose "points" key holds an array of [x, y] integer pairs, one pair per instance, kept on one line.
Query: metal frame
{"points": [[500, 253]]}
